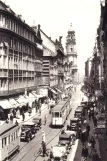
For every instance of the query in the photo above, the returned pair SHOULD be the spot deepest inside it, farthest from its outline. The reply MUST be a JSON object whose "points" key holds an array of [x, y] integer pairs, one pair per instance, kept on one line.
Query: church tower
{"points": [[71, 55]]}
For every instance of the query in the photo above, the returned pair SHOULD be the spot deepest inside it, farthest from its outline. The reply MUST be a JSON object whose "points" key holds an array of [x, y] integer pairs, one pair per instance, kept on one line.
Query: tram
{"points": [[60, 113], [9, 140]]}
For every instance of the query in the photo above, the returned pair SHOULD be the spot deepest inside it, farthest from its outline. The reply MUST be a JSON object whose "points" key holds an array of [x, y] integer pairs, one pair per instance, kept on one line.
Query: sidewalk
{"points": [[80, 146], [27, 117]]}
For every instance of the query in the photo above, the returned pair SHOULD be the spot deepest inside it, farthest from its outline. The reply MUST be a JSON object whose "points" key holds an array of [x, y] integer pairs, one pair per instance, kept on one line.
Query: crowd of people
{"points": [[86, 137]]}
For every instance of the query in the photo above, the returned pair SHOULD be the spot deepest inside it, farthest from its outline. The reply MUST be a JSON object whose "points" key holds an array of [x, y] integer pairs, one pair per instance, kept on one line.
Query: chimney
{"points": [[39, 27], [60, 39]]}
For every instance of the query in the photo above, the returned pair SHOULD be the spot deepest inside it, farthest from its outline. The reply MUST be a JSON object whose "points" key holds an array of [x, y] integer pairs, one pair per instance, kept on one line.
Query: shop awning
{"points": [[22, 100], [30, 98], [5, 104], [14, 103], [53, 91], [58, 90], [37, 95]]}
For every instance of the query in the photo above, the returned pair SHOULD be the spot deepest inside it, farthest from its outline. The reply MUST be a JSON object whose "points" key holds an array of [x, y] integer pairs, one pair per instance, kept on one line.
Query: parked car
{"points": [[37, 121], [59, 152], [74, 123], [28, 131], [66, 140]]}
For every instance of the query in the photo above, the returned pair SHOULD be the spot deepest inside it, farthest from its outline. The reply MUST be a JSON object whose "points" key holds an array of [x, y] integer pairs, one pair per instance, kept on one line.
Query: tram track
{"points": [[33, 142]]}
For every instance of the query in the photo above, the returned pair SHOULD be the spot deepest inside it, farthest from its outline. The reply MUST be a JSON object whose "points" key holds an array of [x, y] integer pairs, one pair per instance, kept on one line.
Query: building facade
{"points": [[60, 63], [71, 55], [20, 53]]}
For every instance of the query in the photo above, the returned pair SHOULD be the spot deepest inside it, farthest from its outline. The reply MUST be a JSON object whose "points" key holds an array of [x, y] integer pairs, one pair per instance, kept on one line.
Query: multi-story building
{"points": [[71, 55], [53, 69], [50, 69], [88, 67], [20, 53], [60, 63]]}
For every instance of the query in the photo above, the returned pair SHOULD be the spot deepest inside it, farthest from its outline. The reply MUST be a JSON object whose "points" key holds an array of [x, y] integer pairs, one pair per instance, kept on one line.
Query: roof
{"points": [[79, 108], [6, 127], [74, 119], [59, 106], [65, 135], [28, 123]]}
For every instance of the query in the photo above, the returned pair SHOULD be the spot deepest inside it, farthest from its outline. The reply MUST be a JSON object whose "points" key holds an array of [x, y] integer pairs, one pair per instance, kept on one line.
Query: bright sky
{"points": [[55, 17]]}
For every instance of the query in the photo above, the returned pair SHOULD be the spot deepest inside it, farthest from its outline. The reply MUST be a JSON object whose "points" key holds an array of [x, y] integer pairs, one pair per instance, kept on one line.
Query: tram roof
{"points": [[6, 127], [59, 106], [62, 102]]}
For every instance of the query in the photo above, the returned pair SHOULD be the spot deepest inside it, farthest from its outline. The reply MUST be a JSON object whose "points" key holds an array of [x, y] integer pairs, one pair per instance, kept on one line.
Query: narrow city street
{"points": [[53, 79], [29, 151]]}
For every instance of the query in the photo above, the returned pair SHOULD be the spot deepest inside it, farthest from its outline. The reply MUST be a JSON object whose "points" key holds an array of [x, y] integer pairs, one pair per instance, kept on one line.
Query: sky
{"points": [[55, 17]]}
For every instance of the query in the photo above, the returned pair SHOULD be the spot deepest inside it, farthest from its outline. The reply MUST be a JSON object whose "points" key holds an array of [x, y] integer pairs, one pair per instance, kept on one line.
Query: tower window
{"points": [[71, 49]]}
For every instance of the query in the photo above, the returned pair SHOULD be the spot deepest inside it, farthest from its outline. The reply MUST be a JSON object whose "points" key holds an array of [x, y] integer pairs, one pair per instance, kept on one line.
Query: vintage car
{"points": [[65, 140], [28, 131], [74, 122], [37, 121], [59, 152]]}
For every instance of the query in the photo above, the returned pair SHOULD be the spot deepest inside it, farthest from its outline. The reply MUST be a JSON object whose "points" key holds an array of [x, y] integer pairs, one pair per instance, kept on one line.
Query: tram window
{"points": [[60, 114], [56, 114], [9, 139], [16, 133], [14, 136], [4, 141]]}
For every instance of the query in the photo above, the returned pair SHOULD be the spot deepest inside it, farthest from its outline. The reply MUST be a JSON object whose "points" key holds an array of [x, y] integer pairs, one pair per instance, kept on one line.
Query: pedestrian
{"points": [[79, 133], [89, 114], [16, 122], [95, 156], [84, 153], [95, 122], [88, 129], [85, 122], [44, 149], [93, 142], [23, 116], [11, 118], [83, 137], [29, 111]]}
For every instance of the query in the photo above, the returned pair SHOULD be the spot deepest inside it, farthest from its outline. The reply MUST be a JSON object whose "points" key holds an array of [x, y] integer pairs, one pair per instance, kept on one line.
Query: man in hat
{"points": [[43, 137]]}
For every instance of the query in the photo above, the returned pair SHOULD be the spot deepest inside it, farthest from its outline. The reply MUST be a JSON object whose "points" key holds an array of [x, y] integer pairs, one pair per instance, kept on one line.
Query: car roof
{"points": [[37, 117], [65, 135], [28, 123], [74, 119]]}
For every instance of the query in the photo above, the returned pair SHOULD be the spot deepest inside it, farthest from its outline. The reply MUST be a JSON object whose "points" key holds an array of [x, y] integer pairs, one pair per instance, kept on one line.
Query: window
{"points": [[11, 43], [14, 136], [4, 142], [56, 114], [11, 137]]}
